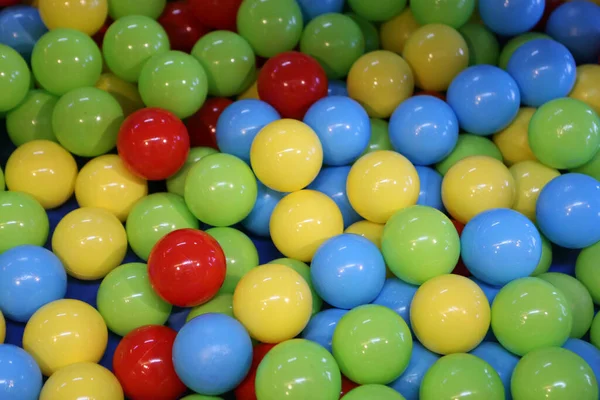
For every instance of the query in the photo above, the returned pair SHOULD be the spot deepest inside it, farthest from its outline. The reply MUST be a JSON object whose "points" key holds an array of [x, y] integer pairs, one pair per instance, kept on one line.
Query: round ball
{"points": [[585, 270], [304, 270], [513, 140], [15, 78], [482, 43], [221, 304], [430, 188], [530, 178], [118, 9], [23, 221], [86, 16], [321, 326], [409, 383], [380, 10], [500, 359], [21, 376], [176, 183], [512, 17], [454, 14], [22, 27], [84, 379], [257, 222], [396, 31], [397, 295], [126, 93], [586, 86], [32, 118]]}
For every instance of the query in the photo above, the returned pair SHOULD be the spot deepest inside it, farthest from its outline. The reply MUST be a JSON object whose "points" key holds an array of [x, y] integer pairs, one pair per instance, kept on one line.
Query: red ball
{"points": [[460, 268], [182, 26], [5, 3], [347, 385], [153, 143], [187, 267], [143, 364], [292, 82], [246, 390], [217, 14], [202, 126], [99, 36]]}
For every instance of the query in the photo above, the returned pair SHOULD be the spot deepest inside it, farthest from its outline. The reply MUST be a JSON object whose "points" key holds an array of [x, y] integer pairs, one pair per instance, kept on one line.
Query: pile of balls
{"points": [[299, 199]]}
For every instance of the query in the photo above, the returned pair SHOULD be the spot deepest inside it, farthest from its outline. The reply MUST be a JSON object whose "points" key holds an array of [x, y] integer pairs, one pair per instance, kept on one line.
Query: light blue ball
{"points": [[321, 326], [503, 362], [343, 127], [490, 292], [409, 383], [397, 296], [337, 88], [430, 188], [587, 351], [239, 124], [568, 211], [20, 28], [257, 222], [500, 245], [348, 271], [212, 354], [544, 70], [511, 17], [20, 376], [313, 8], [485, 99], [30, 277]]}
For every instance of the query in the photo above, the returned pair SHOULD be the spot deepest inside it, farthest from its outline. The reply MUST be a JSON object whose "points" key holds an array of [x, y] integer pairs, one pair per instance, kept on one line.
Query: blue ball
{"points": [[313, 8], [348, 271], [568, 211], [332, 182], [575, 24], [485, 99], [424, 129], [337, 88], [511, 17], [397, 295], [544, 70], [30, 277], [490, 291], [20, 28], [321, 326], [239, 124], [20, 376], [587, 351], [257, 222], [409, 383], [212, 354], [430, 188], [503, 362], [343, 127], [500, 245]]}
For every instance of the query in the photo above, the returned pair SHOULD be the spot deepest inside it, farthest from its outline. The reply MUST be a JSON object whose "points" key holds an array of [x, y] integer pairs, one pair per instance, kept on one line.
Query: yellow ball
{"points": [[530, 178], [587, 85], [380, 81], [369, 230], [82, 381], [273, 302], [395, 32], [90, 242], [450, 314], [44, 170], [106, 183], [125, 93], [286, 155], [251, 92], [65, 332], [86, 16], [381, 183], [302, 221], [476, 184], [2, 328], [436, 53], [513, 141]]}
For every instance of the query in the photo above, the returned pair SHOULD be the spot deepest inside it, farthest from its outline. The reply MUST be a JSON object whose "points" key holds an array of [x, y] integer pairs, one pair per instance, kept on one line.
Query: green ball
{"points": [[482, 43], [15, 78], [564, 133], [369, 31], [513, 44], [304, 271], [587, 270], [153, 217], [335, 41], [373, 392], [595, 331], [173, 81], [270, 26], [149, 8], [454, 13], [372, 344], [377, 10], [32, 119], [461, 373], [380, 137], [420, 243], [131, 41], [22, 221], [86, 121], [298, 369], [66, 59], [591, 168], [229, 62], [466, 146], [546, 259], [240, 252], [127, 301], [553, 373], [176, 183], [220, 190], [221, 304], [549, 317]]}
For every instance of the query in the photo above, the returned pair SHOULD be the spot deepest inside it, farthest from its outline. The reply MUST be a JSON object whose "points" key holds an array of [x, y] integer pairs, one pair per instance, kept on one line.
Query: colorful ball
{"points": [[482, 43], [546, 259], [257, 222], [86, 16], [430, 188], [369, 31], [587, 86], [23, 221], [82, 380], [176, 183], [587, 351], [217, 14], [304, 270], [20, 28], [380, 138], [337, 88], [381, 10], [516, 42], [396, 31], [500, 359], [118, 9], [409, 383], [454, 14], [126, 93], [373, 392], [595, 332], [221, 303], [202, 126], [513, 140], [321, 326], [530, 178], [32, 119], [397, 295], [466, 146], [182, 26], [585, 270], [21, 376], [312, 9], [15, 78], [511, 18]]}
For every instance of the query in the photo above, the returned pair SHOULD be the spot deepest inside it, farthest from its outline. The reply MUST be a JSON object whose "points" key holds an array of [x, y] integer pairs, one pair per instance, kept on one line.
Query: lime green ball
{"points": [[454, 13], [66, 59], [86, 121], [298, 369], [220, 190], [176, 183], [127, 301], [587, 270], [377, 10], [513, 44], [553, 373], [270, 26], [15, 78], [420, 243], [131, 41], [372, 344], [373, 392], [335, 41], [591, 168], [173, 81], [482, 43], [369, 31], [155, 216], [564, 133], [149, 8], [304, 271], [22, 221], [380, 137], [221, 304], [466, 146], [461, 373], [32, 119], [229, 62], [546, 259], [595, 331]]}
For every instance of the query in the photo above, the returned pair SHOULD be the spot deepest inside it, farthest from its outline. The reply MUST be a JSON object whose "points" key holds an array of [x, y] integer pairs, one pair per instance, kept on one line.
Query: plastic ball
{"points": [[587, 86], [466, 146], [454, 14], [304, 271], [221, 303], [176, 183], [217, 14], [430, 184], [332, 182], [321, 326], [143, 364], [530, 178], [313, 8], [202, 126], [124, 92], [22, 221], [513, 141], [337, 87], [153, 143], [500, 359], [2, 328], [82, 380], [380, 10], [32, 119], [247, 389], [482, 43], [373, 392], [513, 44], [186, 267], [437, 54], [397, 295], [257, 222], [30, 277], [424, 129], [587, 351], [21, 376], [182, 26], [380, 138], [396, 31], [20, 28], [591, 168], [546, 259], [585, 270], [15, 78], [380, 81], [476, 184], [119, 9], [511, 18], [63, 333], [369, 31], [409, 383], [131, 41], [86, 16], [595, 332]]}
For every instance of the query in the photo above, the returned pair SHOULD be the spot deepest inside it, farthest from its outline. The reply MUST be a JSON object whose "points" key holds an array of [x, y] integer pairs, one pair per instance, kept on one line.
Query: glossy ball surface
{"points": [[20, 28], [83, 379], [119, 9], [182, 26], [23, 221], [22, 378], [86, 16], [32, 119], [511, 18], [15, 80], [332, 182], [530, 178]]}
